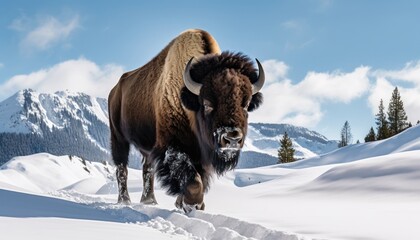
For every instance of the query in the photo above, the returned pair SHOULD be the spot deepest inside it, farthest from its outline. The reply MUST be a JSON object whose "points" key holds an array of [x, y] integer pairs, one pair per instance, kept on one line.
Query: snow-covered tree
{"points": [[286, 151]]}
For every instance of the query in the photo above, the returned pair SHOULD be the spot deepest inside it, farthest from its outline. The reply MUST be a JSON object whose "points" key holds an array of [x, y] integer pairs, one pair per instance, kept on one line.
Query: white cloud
{"points": [[79, 75], [410, 73], [47, 31], [336, 86], [283, 104], [274, 70], [301, 103]]}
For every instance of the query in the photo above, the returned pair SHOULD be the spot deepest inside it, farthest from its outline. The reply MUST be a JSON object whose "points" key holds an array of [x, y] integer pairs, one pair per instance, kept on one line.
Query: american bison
{"points": [[186, 112]]}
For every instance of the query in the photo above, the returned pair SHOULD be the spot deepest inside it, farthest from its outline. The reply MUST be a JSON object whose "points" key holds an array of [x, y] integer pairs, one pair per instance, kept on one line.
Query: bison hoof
{"points": [[187, 208], [149, 200], [124, 200]]}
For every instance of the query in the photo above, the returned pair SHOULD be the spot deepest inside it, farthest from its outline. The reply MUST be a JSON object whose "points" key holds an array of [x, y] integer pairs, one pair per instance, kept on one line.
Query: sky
{"points": [[326, 61]]}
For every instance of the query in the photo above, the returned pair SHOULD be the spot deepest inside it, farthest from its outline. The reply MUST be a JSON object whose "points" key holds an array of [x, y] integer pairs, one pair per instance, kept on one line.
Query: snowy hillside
{"points": [[45, 172], [60, 123], [364, 191]]}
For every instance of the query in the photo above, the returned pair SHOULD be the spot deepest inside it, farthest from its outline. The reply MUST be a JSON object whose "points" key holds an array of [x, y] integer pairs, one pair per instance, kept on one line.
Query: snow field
{"points": [[364, 191]]}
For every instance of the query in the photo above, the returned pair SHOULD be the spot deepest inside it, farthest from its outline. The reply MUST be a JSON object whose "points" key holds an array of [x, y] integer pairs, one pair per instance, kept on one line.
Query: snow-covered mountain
{"points": [[27, 110], [66, 123], [363, 191], [60, 123], [262, 143], [307, 143]]}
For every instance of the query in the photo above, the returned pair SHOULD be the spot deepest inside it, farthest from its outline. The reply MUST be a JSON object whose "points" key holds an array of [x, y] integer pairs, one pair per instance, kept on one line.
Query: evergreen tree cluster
{"points": [[286, 151], [390, 123]]}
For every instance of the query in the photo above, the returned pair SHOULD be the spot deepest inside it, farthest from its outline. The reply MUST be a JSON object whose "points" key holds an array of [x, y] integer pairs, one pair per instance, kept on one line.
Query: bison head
{"points": [[221, 90]]}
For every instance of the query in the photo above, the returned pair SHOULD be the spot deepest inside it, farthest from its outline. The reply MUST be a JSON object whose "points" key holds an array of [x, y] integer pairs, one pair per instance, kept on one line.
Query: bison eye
{"points": [[208, 107]]}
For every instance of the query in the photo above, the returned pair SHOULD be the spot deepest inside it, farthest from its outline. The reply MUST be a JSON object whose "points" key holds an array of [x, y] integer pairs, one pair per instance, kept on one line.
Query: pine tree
{"points": [[381, 123], [396, 114], [370, 137], [286, 151], [346, 136]]}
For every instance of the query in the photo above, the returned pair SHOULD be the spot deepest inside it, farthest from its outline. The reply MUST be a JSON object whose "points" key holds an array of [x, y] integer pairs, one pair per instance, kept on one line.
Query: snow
{"points": [[10, 117], [363, 191], [25, 216]]}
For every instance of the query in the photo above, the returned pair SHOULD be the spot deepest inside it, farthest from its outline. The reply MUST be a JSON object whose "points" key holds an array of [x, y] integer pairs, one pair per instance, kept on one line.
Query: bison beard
{"points": [[225, 160]]}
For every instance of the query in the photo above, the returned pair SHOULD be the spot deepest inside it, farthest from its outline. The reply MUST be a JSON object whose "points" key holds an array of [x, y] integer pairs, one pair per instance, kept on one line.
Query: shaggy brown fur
{"points": [[151, 109]]}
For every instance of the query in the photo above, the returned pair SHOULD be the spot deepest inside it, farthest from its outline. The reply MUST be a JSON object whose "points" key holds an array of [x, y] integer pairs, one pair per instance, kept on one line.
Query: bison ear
{"points": [[189, 100], [256, 101]]}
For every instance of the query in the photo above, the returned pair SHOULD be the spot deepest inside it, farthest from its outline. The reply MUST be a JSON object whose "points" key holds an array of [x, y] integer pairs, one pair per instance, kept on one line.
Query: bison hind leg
{"points": [[120, 149], [122, 174], [148, 196]]}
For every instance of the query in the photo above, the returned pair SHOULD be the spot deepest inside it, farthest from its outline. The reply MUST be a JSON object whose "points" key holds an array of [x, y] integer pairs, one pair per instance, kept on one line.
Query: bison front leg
{"points": [[177, 173], [193, 196], [148, 196]]}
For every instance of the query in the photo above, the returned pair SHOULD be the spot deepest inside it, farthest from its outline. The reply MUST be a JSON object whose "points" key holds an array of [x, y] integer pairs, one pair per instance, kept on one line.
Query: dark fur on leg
{"points": [[174, 170], [148, 196], [122, 175], [119, 150]]}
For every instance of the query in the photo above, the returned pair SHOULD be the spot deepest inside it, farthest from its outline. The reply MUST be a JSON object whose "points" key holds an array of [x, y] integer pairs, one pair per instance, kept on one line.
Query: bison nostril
{"points": [[232, 138]]}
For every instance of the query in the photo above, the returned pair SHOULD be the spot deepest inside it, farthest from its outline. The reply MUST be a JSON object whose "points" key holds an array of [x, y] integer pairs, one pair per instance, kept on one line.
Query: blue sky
{"points": [[327, 61]]}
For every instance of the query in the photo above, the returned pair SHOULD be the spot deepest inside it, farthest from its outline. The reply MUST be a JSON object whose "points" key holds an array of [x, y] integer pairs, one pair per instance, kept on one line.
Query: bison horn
{"points": [[256, 87], [193, 86]]}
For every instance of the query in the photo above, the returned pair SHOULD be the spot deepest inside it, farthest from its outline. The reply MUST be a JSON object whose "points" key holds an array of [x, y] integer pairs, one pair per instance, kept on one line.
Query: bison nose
{"points": [[232, 139]]}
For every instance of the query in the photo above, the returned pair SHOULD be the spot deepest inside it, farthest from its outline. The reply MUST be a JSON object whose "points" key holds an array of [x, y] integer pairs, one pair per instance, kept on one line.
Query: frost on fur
{"points": [[175, 171]]}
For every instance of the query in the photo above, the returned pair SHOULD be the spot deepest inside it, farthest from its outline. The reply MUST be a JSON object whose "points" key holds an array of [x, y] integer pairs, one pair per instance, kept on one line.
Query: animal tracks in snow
{"points": [[195, 225]]}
